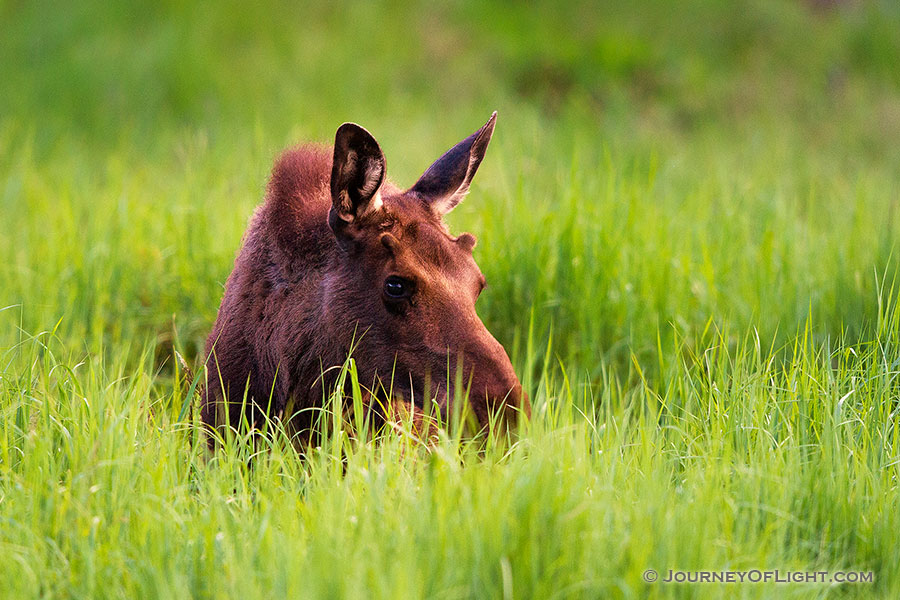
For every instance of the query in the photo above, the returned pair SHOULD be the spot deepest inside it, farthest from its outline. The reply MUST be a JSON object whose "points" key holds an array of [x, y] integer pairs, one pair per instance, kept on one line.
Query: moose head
{"points": [[406, 286]]}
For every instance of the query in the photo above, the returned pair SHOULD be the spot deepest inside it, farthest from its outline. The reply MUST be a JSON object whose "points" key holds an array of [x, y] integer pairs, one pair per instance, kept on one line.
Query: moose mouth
{"points": [[445, 399], [416, 390]]}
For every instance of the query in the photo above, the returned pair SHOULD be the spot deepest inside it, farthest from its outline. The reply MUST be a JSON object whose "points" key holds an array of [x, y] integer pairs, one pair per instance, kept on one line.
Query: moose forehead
{"points": [[426, 245]]}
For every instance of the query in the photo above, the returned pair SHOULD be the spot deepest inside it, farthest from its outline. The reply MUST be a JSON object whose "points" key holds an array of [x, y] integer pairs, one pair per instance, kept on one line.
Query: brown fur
{"points": [[310, 283]]}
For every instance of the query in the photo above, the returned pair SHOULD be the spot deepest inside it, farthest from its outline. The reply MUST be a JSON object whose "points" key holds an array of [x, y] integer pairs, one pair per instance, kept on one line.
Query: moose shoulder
{"points": [[339, 257]]}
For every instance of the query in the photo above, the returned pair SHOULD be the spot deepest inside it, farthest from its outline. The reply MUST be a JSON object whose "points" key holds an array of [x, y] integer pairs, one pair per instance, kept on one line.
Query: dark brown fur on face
{"points": [[338, 257]]}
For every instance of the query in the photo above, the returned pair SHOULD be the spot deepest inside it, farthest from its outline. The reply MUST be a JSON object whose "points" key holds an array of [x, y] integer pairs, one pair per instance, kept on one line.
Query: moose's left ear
{"points": [[357, 173], [446, 182]]}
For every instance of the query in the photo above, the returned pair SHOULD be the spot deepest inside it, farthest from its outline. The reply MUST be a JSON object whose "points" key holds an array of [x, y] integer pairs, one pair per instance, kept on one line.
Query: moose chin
{"points": [[338, 259]]}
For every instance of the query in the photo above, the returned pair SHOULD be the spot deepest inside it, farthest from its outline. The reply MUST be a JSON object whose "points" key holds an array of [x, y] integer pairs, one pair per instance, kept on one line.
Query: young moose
{"points": [[338, 257]]}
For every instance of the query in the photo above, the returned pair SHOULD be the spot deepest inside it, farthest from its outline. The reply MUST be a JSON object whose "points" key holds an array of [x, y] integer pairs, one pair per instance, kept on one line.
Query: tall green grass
{"points": [[734, 460], [687, 219]]}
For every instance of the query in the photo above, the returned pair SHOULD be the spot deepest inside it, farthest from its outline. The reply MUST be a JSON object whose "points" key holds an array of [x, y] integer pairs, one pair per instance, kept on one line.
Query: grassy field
{"points": [[688, 222]]}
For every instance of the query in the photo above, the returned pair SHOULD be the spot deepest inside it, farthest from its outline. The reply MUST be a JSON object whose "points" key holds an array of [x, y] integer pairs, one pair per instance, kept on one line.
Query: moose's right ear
{"points": [[356, 175], [447, 181]]}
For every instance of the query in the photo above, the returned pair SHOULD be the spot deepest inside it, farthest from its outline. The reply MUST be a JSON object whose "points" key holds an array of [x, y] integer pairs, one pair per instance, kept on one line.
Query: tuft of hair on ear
{"points": [[446, 182]]}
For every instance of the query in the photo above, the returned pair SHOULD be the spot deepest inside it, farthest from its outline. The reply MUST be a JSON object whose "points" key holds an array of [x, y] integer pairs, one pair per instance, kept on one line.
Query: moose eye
{"points": [[397, 287]]}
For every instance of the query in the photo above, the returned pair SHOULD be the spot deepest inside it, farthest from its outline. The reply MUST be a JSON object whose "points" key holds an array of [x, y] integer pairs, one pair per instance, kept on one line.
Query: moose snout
{"points": [[503, 388], [505, 397], [496, 390]]}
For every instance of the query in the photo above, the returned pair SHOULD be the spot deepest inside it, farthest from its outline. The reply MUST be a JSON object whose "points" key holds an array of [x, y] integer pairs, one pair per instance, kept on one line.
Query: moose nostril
{"points": [[524, 403], [519, 398], [515, 394], [508, 394], [508, 401]]}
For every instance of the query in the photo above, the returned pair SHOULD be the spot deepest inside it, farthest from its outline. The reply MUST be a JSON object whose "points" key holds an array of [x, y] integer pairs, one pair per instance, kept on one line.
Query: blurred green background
{"points": [[655, 165]]}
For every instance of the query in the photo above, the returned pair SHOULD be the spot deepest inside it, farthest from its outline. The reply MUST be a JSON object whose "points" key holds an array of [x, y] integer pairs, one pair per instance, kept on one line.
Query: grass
{"points": [[687, 219]]}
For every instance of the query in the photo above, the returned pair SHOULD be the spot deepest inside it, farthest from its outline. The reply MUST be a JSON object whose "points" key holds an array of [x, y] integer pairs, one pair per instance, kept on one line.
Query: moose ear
{"points": [[356, 174], [447, 181]]}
